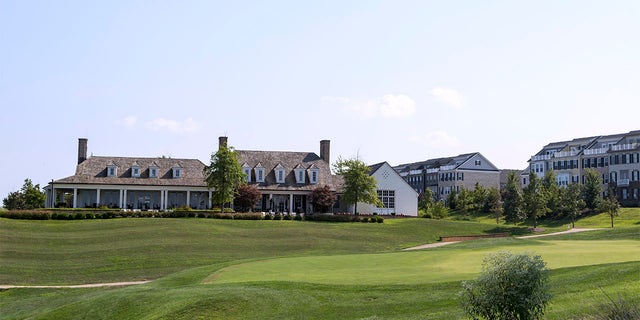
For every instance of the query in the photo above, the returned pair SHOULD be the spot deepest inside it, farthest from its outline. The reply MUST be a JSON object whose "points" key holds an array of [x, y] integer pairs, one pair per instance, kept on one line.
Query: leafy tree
{"points": [[425, 201], [322, 198], [535, 199], [224, 175], [510, 286], [571, 202], [29, 197], [452, 199], [359, 185], [610, 205], [479, 196], [246, 196], [493, 203], [552, 191], [592, 189], [439, 210], [464, 200], [512, 199]]}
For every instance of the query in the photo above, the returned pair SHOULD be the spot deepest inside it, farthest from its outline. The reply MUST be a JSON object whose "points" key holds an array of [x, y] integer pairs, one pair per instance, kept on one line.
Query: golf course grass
{"points": [[225, 269]]}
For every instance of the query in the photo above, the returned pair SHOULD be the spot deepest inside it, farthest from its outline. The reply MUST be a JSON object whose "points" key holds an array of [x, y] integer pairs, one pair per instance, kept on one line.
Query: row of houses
{"points": [[285, 179], [615, 157]]}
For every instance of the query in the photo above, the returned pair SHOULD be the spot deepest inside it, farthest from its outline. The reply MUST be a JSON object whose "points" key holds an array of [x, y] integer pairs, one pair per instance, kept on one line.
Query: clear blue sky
{"points": [[396, 81]]}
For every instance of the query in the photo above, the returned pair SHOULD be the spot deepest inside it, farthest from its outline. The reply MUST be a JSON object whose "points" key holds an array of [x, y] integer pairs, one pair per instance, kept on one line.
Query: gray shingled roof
{"points": [[94, 171], [288, 160]]}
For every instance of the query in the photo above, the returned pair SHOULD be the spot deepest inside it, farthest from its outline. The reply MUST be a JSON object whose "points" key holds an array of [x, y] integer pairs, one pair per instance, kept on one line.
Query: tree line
{"points": [[541, 198]]}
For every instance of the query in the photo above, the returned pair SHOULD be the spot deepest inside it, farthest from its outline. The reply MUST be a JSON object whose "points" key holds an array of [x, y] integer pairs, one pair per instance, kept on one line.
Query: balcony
{"points": [[591, 152], [433, 170], [449, 167], [623, 182], [564, 154], [413, 172], [626, 146], [541, 157]]}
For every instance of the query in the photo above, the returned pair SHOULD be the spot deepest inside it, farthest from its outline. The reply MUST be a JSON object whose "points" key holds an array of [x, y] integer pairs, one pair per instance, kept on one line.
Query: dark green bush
{"points": [[277, 216], [268, 216]]}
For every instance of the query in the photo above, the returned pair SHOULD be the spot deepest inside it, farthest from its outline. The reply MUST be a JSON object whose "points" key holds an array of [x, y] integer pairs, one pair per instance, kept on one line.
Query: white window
{"points": [[153, 172], [314, 176], [280, 175], [259, 174], [135, 172], [112, 171], [388, 198], [247, 173], [177, 172], [300, 178]]}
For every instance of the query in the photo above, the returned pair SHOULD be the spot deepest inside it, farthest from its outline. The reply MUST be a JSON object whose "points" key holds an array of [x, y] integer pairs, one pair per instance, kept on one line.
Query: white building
{"points": [[396, 195]]}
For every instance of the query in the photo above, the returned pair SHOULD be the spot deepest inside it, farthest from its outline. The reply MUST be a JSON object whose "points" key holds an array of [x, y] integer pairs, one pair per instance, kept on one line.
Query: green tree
{"points": [[592, 189], [510, 286], [322, 198], [552, 191], [425, 201], [246, 196], [452, 199], [493, 203], [359, 185], [439, 210], [464, 201], [224, 175], [570, 201], [610, 205], [512, 199], [534, 199], [479, 196], [29, 197]]}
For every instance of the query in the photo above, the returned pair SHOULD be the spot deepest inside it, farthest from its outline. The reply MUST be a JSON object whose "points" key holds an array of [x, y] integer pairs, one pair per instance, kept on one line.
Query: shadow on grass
{"points": [[512, 230]]}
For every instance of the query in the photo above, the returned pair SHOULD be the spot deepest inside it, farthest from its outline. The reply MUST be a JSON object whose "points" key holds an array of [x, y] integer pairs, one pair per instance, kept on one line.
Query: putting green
{"points": [[427, 266]]}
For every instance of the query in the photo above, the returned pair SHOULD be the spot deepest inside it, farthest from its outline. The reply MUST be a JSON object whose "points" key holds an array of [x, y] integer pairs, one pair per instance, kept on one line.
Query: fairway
{"points": [[427, 266]]}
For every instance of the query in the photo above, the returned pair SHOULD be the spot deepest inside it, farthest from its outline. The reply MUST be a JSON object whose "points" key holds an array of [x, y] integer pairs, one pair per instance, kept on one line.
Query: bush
{"points": [[277, 216], [298, 217], [268, 216], [620, 309], [439, 210], [428, 215], [288, 216], [510, 286]]}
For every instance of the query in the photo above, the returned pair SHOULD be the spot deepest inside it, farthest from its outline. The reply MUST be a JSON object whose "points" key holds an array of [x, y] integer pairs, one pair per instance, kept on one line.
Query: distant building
{"points": [[445, 175], [615, 157], [396, 195]]}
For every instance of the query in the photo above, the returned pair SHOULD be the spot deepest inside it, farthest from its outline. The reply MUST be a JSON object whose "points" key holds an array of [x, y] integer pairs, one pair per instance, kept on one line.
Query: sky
{"points": [[396, 81]]}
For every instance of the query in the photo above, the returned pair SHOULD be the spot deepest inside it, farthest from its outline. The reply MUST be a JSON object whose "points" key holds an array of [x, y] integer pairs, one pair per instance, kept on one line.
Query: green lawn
{"points": [[224, 269]]}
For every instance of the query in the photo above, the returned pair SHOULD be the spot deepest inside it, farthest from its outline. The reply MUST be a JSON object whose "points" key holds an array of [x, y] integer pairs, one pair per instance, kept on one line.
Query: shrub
{"points": [[277, 216], [298, 217], [247, 216], [620, 309], [365, 219], [268, 216], [510, 286], [288, 216], [428, 215], [439, 210]]}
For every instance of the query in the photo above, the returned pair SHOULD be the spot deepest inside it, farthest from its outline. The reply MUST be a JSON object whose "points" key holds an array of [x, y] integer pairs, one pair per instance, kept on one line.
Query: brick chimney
{"points": [[325, 150], [82, 150], [222, 142]]}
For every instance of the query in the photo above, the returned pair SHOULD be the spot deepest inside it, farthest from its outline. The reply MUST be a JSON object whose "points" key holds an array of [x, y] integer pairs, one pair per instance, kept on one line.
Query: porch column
{"points": [[270, 202], [124, 198], [188, 198], [120, 199], [162, 199], [97, 197], [75, 197], [210, 193], [290, 202]]}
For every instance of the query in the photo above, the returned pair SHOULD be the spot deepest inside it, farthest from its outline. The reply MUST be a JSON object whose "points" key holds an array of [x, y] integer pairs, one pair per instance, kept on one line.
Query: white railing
{"points": [[404, 174], [563, 154], [541, 157], [626, 146], [415, 172], [449, 167], [623, 182], [590, 152], [433, 170]]}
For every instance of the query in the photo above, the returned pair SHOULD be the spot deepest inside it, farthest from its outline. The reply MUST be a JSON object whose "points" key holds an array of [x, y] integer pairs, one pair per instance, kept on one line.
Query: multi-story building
{"points": [[444, 175], [615, 158]]}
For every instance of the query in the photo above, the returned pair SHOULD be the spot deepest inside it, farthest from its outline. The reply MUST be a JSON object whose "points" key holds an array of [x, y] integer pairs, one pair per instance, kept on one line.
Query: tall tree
{"points": [[29, 197], [359, 185], [425, 201], [592, 189], [610, 205], [465, 200], [223, 175], [552, 191], [535, 199], [493, 203], [479, 195], [571, 202], [322, 198], [512, 199]]}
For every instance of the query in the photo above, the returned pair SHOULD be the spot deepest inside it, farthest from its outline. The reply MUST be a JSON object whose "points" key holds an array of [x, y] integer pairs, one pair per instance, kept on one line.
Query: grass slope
{"points": [[184, 253]]}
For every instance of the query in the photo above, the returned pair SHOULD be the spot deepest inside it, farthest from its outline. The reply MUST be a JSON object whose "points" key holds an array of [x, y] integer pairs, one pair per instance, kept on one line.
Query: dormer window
{"points": [[112, 171], [177, 171], [135, 170], [153, 171], [279, 171], [259, 169], [299, 172], [313, 174], [247, 172]]}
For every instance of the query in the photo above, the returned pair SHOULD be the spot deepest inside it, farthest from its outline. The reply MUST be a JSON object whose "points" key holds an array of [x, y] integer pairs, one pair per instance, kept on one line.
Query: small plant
{"points": [[619, 309], [268, 216], [277, 216]]}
